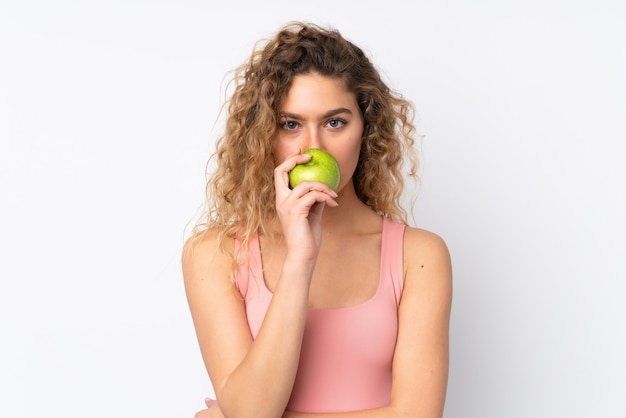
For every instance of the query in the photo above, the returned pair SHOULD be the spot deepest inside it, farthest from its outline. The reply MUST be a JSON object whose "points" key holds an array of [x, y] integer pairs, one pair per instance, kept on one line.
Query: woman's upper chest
{"points": [[347, 271]]}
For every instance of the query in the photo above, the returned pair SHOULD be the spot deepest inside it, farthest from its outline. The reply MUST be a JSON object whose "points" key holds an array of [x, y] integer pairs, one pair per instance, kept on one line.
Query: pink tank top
{"points": [[347, 353]]}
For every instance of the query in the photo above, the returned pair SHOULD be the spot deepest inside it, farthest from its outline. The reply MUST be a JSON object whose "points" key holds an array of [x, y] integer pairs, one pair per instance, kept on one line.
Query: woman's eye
{"points": [[290, 125], [336, 123]]}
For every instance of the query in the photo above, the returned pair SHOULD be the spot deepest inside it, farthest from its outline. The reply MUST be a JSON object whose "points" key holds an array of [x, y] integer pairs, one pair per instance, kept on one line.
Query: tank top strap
{"points": [[392, 256], [249, 262]]}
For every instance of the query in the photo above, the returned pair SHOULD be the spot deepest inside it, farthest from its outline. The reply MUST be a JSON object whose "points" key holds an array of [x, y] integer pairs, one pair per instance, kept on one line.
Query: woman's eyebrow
{"points": [[337, 112], [290, 115], [328, 114]]}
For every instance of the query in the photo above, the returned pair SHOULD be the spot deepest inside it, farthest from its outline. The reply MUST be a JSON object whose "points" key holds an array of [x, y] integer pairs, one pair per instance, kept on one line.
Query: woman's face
{"points": [[320, 112]]}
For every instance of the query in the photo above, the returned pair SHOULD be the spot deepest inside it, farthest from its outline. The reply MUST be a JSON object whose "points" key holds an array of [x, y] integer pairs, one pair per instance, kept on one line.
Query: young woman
{"points": [[307, 301]]}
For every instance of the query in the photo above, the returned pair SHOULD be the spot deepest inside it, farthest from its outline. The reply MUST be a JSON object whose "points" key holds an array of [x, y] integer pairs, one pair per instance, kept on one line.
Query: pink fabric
{"points": [[346, 357]]}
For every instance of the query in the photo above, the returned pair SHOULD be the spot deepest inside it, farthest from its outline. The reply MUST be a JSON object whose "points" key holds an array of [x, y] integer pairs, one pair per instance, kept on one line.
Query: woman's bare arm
{"points": [[261, 372]]}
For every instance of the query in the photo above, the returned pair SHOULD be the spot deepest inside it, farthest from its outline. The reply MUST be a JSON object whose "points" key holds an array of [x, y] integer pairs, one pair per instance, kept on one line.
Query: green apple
{"points": [[321, 167]]}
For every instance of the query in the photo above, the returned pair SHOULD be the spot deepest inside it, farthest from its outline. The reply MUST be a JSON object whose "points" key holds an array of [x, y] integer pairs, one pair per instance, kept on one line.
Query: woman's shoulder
{"points": [[200, 242], [420, 236], [205, 251], [425, 249]]}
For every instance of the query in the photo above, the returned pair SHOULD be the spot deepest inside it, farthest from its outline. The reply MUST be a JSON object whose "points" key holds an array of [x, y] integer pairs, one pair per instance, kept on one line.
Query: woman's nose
{"points": [[312, 139]]}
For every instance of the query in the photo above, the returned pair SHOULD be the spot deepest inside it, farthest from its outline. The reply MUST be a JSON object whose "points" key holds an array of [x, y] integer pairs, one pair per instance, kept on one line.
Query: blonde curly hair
{"points": [[240, 196]]}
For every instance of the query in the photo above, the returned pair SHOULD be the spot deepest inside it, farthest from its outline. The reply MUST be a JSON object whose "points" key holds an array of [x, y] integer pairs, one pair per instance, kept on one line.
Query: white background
{"points": [[106, 120]]}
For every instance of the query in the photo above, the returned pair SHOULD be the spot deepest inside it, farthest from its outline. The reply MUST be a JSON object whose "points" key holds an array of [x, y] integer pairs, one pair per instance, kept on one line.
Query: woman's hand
{"points": [[300, 210], [212, 411]]}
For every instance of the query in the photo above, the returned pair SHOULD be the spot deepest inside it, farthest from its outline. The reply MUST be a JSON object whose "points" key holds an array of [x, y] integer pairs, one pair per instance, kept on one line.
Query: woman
{"points": [[307, 301]]}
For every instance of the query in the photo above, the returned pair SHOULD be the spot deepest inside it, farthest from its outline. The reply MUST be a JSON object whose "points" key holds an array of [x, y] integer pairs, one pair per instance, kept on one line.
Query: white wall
{"points": [[106, 113]]}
